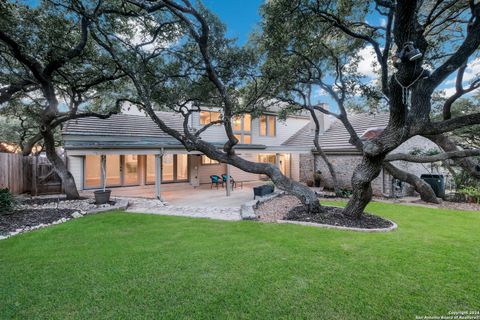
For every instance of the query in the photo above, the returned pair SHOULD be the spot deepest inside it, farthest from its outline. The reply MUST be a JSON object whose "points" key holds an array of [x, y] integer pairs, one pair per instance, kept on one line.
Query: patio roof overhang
{"points": [[101, 144]]}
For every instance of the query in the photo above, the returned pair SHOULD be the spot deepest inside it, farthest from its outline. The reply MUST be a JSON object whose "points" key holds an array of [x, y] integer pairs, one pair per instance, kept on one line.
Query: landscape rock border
{"points": [[120, 204], [393, 227], [247, 210]]}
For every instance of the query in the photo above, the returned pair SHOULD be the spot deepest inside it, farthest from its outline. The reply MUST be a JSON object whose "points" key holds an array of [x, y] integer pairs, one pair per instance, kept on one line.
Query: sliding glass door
{"points": [[182, 167], [168, 174], [174, 168], [113, 172], [130, 170], [126, 170], [150, 172], [93, 172]]}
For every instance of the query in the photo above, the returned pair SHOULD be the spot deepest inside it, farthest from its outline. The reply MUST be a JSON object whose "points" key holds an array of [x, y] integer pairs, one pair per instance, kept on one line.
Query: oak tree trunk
{"points": [[362, 177], [59, 166], [306, 195]]}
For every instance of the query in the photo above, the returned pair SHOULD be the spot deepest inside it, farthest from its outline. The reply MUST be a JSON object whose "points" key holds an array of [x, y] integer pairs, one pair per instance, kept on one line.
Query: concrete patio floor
{"points": [[183, 194]]}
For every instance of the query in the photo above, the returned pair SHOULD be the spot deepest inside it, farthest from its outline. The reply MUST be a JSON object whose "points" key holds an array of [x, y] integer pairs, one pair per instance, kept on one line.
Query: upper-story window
{"points": [[209, 116], [242, 128], [268, 126]]}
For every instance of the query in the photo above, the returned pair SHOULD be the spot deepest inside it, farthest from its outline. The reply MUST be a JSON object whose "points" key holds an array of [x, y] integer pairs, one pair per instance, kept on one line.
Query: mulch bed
{"points": [[20, 219], [333, 216]]}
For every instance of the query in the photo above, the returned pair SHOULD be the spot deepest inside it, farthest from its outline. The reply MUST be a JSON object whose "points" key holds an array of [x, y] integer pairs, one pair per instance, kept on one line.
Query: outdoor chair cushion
{"points": [[215, 179]]}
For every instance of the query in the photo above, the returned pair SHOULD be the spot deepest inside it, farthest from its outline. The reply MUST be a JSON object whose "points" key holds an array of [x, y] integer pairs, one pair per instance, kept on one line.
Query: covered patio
{"points": [[184, 194]]}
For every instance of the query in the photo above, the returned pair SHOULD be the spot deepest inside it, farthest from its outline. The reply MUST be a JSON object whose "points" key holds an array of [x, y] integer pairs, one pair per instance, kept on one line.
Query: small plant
{"points": [[471, 192], [7, 200]]}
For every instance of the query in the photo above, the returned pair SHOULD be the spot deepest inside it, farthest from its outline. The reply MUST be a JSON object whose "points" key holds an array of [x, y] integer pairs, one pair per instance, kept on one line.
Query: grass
{"points": [[133, 266]]}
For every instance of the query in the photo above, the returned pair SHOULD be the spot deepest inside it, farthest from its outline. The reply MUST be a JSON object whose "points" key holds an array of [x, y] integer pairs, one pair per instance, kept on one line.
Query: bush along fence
{"points": [[32, 174]]}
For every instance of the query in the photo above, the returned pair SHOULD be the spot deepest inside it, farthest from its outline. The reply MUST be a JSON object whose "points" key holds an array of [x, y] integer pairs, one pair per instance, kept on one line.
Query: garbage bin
{"points": [[437, 182]]}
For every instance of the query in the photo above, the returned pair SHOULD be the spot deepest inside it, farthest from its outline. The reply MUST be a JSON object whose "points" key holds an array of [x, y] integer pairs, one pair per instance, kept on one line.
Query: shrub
{"points": [[464, 179], [472, 192], [7, 201]]}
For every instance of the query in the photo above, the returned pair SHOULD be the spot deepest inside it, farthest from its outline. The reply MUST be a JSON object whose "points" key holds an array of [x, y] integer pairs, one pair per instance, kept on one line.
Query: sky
{"points": [[242, 17]]}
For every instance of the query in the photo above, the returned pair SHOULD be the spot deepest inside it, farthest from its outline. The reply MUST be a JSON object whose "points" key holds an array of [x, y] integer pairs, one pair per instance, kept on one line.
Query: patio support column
{"points": [[277, 160], [229, 186], [103, 168], [158, 175]]}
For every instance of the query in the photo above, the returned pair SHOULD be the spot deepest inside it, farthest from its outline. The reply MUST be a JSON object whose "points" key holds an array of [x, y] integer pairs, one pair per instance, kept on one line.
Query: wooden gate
{"points": [[44, 178], [34, 175]]}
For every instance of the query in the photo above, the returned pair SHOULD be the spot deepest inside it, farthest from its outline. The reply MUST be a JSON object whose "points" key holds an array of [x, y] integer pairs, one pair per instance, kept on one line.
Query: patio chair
{"points": [[232, 181], [215, 180]]}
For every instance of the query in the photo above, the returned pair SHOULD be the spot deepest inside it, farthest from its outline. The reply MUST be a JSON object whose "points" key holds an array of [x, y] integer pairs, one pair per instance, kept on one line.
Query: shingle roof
{"points": [[123, 125], [336, 138]]}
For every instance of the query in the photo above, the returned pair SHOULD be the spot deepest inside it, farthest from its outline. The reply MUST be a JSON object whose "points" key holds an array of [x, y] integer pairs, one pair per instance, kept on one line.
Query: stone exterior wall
{"points": [[345, 164], [306, 166]]}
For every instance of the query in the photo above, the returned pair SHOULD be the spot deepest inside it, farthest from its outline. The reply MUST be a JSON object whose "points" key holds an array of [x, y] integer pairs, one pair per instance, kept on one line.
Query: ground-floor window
{"points": [[207, 161], [284, 161]]}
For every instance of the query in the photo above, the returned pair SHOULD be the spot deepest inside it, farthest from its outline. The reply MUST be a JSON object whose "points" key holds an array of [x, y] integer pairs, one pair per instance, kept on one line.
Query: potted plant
{"points": [[103, 196], [317, 178]]}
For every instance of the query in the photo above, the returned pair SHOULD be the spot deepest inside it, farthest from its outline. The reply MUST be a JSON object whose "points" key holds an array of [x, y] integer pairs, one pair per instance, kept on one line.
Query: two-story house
{"points": [[138, 153]]}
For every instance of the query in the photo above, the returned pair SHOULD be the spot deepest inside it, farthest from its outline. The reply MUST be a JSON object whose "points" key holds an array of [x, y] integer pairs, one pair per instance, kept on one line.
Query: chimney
{"points": [[321, 119]]}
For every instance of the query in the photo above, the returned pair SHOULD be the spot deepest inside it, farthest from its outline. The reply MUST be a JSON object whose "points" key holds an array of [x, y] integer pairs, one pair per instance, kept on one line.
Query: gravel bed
{"points": [[24, 218], [277, 208]]}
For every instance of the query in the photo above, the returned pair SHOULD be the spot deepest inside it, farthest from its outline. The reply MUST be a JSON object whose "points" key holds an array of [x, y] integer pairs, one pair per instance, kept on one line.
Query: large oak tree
{"points": [[50, 70], [407, 88]]}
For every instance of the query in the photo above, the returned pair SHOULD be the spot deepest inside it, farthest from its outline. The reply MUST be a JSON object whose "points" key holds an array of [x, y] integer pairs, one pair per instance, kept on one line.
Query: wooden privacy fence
{"points": [[34, 175]]}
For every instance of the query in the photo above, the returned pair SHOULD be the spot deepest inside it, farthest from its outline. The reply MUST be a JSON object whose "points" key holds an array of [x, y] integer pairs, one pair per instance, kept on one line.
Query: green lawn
{"points": [[134, 266]]}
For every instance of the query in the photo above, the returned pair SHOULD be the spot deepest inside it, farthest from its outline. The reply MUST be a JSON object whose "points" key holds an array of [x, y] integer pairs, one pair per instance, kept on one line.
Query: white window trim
{"points": [[267, 125], [242, 131]]}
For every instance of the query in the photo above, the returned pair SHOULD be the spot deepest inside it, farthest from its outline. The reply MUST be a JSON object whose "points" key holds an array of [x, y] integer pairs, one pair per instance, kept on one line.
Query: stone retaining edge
{"points": [[122, 205], [247, 210], [329, 226]]}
